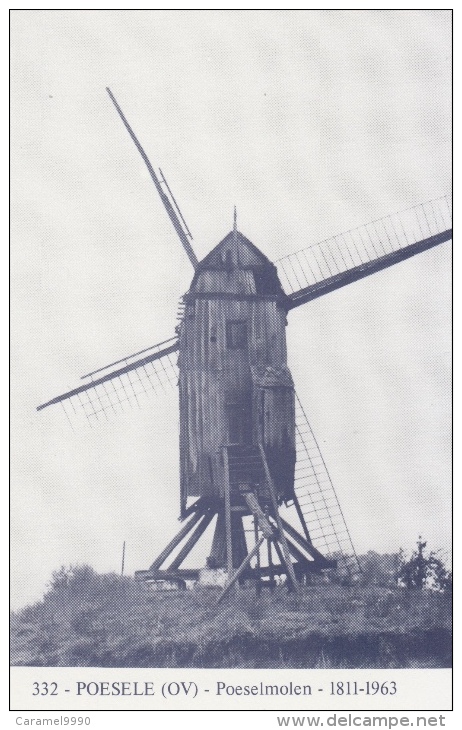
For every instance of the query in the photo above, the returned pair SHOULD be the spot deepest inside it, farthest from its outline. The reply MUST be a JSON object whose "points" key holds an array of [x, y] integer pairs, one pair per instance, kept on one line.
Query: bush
{"points": [[423, 570]]}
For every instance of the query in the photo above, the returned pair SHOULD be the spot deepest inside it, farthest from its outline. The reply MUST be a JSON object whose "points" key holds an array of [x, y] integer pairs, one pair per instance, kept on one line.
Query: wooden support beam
{"points": [[176, 541], [281, 537], [301, 559], [192, 508], [193, 539], [271, 572], [218, 547], [240, 570], [310, 549], [257, 569], [239, 541], [280, 569], [228, 527], [301, 517], [269, 546], [258, 513], [184, 573]]}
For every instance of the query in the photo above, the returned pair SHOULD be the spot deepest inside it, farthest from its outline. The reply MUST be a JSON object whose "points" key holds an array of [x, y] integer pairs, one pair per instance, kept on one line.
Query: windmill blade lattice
{"points": [[347, 257], [115, 389], [318, 500]]}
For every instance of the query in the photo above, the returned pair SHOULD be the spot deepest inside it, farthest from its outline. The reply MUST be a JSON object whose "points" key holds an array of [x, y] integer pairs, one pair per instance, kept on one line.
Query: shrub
{"points": [[423, 570]]}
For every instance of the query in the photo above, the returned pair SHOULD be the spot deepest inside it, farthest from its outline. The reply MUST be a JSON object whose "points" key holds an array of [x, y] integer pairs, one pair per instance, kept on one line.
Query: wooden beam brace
{"points": [[301, 559], [184, 573], [310, 549], [240, 570], [281, 537], [193, 539], [301, 517], [228, 526], [176, 540], [198, 504], [259, 515], [257, 569], [277, 569]]}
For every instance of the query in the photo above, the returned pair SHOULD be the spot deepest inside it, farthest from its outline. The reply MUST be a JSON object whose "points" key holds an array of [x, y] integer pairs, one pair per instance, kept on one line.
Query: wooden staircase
{"points": [[246, 472]]}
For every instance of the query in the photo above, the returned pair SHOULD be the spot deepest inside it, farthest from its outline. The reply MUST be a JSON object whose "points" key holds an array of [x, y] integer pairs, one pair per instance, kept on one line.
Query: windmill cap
{"points": [[235, 253]]}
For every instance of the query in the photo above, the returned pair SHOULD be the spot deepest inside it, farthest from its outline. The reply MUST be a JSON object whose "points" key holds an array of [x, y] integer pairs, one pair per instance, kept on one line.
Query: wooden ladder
{"points": [[277, 537]]}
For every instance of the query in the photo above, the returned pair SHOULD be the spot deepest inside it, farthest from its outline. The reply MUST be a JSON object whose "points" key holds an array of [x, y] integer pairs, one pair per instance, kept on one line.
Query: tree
{"points": [[423, 570]]}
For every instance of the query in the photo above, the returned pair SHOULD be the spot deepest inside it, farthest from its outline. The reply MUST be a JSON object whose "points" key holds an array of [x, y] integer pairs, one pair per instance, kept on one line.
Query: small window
{"points": [[236, 335]]}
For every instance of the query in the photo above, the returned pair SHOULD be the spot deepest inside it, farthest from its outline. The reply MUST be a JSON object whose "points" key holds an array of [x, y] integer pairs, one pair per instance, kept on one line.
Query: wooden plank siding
{"points": [[226, 391]]}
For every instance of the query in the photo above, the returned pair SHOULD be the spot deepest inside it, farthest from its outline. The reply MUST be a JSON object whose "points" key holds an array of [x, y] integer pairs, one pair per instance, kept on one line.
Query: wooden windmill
{"points": [[250, 468]]}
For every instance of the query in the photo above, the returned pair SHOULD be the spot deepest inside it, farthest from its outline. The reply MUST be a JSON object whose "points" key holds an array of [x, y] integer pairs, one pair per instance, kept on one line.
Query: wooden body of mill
{"points": [[237, 422]]}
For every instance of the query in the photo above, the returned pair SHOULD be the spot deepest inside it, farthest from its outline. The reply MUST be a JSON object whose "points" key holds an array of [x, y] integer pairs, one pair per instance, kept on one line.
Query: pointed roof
{"points": [[251, 255], [234, 254]]}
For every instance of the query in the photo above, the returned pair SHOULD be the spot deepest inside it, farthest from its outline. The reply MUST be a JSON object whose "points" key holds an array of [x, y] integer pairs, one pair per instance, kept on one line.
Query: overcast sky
{"points": [[311, 122]]}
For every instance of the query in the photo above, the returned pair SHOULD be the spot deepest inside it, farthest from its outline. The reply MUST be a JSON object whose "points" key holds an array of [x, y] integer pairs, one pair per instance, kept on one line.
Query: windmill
{"points": [[252, 476]]}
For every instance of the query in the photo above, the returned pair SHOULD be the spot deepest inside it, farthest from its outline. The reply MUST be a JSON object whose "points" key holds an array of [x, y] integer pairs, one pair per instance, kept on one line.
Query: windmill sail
{"points": [[318, 500], [180, 226], [122, 383], [348, 257]]}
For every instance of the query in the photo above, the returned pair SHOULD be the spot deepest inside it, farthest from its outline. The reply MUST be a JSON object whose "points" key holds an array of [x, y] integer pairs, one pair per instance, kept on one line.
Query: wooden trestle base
{"points": [[269, 527]]}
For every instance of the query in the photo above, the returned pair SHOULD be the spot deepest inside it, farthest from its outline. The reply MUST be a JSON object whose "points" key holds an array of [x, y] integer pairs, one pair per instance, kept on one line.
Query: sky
{"points": [[311, 123]]}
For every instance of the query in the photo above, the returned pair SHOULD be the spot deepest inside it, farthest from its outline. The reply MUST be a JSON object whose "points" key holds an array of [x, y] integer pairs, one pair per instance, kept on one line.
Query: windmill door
{"points": [[238, 411]]}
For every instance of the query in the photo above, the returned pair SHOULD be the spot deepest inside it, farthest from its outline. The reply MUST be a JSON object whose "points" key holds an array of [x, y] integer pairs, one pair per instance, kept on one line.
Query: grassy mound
{"points": [[86, 619]]}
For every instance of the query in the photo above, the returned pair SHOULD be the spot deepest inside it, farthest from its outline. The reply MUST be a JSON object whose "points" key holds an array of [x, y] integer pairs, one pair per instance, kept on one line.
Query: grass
{"points": [[86, 619]]}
